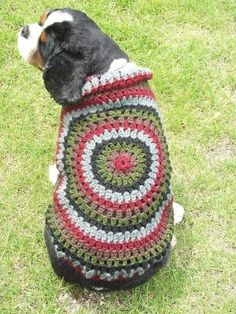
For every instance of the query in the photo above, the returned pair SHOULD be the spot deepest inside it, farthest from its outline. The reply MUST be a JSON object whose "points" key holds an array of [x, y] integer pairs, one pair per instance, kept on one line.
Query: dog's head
{"points": [[67, 46]]}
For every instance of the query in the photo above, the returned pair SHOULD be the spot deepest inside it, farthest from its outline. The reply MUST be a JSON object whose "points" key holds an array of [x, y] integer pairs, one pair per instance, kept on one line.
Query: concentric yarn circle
{"points": [[117, 167]]}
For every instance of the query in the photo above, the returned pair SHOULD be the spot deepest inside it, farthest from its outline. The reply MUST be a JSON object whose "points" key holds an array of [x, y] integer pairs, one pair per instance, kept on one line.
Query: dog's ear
{"points": [[64, 75]]}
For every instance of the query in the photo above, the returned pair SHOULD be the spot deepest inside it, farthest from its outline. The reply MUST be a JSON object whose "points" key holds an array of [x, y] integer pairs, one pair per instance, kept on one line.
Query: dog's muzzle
{"points": [[28, 37]]}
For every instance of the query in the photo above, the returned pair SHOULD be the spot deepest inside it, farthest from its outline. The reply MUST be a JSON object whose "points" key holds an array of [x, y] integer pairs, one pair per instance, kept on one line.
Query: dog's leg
{"points": [[173, 242], [178, 213], [178, 217], [53, 173]]}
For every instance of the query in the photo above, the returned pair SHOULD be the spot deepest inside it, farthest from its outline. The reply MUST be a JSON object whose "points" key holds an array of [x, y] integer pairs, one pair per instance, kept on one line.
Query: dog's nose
{"points": [[25, 31]]}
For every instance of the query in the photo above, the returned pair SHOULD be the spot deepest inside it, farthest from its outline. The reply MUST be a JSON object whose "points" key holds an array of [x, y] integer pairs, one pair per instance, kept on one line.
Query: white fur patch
{"points": [[173, 241], [53, 174], [121, 63], [178, 213], [28, 46], [57, 17], [117, 64]]}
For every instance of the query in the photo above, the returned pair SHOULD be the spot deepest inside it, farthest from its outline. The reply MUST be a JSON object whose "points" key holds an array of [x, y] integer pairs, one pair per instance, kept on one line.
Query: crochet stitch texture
{"points": [[112, 217]]}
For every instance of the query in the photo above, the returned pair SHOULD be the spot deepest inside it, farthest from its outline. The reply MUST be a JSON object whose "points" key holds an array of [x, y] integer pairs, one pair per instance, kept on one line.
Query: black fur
{"points": [[75, 50]]}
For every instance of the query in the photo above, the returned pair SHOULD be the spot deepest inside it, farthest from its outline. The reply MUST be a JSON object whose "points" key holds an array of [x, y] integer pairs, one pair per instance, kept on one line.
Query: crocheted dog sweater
{"points": [[112, 220]]}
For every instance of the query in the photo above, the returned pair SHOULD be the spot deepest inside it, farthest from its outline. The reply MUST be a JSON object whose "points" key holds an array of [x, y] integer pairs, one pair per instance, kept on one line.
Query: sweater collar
{"points": [[129, 74], [116, 78]]}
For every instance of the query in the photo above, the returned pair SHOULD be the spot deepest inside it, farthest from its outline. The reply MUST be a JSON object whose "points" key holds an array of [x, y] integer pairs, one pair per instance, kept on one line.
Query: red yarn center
{"points": [[123, 162]]}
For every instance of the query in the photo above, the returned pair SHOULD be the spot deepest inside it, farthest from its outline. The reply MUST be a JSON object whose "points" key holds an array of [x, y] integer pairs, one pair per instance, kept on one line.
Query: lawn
{"points": [[190, 46]]}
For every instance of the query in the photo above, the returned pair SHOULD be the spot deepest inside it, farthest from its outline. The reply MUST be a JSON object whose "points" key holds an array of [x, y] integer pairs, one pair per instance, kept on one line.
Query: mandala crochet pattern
{"points": [[112, 216]]}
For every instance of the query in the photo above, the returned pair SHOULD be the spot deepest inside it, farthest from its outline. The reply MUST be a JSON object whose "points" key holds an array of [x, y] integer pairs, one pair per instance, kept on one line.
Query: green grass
{"points": [[190, 46]]}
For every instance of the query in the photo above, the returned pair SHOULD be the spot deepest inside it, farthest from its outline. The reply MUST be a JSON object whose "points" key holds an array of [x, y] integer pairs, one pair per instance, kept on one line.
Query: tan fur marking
{"points": [[36, 60], [43, 37], [43, 18]]}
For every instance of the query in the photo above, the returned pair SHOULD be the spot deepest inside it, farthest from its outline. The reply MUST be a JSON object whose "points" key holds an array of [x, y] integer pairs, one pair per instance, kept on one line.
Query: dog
{"points": [[110, 225]]}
